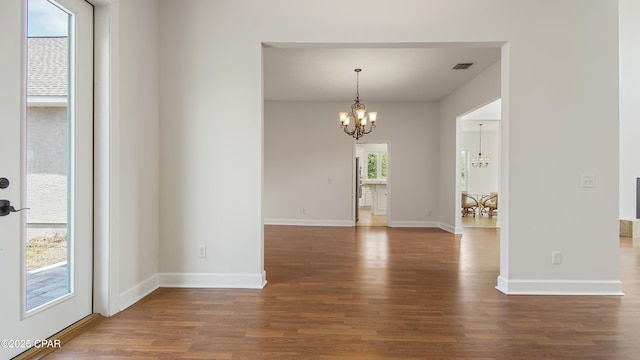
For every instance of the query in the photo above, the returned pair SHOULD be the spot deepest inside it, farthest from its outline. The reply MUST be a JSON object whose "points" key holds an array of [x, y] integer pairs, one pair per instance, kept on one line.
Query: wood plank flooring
{"points": [[366, 218], [373, 293], [479, 221]]}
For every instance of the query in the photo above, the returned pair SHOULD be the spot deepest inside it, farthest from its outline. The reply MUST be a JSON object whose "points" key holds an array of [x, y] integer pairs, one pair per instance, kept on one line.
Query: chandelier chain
{"points": [[357, 85]]}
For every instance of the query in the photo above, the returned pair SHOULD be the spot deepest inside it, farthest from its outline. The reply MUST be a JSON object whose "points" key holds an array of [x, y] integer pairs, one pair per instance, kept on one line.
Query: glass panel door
{"points": [[48, 157], [46, 163]]}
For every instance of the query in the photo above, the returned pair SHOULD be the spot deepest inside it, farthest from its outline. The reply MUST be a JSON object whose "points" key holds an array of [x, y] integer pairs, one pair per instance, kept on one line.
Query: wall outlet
{"points": [[202, 251], [556, 257], [304, 211], [588, 180]]}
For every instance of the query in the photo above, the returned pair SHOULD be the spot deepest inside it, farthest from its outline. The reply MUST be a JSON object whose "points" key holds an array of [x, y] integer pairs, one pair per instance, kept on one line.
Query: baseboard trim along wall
{"points": [[450, 228], [186, 280], [414, 224], [213, 280], [137, 292], [308, 222], [559, 287]]}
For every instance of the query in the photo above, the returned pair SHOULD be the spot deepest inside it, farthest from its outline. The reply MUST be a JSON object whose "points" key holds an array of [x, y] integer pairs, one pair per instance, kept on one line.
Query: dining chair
{"points": [[469, 204], [490, 204]]}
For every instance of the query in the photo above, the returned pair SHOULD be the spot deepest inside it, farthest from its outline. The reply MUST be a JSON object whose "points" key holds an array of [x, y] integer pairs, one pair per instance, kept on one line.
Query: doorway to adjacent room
{"points": [[371, 177]]}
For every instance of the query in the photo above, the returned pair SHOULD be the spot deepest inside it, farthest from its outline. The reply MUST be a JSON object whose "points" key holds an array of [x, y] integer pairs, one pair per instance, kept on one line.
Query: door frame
{"points": [[459, 149], [353, 177], [106, 156]]}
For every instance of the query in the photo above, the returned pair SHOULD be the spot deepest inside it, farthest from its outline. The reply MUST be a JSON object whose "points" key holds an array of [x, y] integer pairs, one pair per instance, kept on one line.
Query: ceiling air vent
{"points": [[462, 66]]}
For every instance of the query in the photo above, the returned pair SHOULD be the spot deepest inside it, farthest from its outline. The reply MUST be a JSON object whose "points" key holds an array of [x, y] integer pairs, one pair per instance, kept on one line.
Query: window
{"points": [[377, 165], [372, 166], [463, 170]]}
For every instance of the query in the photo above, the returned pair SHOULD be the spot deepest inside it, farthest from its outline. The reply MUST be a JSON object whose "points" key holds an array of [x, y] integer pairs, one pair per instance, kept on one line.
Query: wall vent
{"points": [[462, 66]]}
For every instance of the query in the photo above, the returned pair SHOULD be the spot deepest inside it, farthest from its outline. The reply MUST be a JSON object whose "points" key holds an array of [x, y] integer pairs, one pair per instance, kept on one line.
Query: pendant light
{"points": [[480, 161]]}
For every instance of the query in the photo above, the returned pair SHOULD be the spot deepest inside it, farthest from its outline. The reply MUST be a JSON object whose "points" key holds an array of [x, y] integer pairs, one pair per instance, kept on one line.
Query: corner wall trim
{"points": [[308, 222], [137, 292], [213, 280], [450, 228], [559, 287]]}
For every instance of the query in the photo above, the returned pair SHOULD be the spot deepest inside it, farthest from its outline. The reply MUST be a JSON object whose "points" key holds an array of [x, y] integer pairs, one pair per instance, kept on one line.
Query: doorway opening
{"points": [[371, 184], [480, 179]]}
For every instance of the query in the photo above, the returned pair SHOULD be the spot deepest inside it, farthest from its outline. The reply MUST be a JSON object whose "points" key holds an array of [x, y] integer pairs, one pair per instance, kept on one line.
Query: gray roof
{"points": [[47, 66]]}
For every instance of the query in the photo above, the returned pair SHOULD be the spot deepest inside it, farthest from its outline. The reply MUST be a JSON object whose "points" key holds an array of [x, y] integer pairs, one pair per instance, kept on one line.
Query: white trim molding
{"points": [[559, 287], [450, 228], [106, 154], [137, 292], [308, 222], [414, 224], [213, 280]]}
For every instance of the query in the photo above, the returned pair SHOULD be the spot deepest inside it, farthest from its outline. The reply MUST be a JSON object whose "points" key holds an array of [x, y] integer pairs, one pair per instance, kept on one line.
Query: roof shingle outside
{"points": [[47, 71]]}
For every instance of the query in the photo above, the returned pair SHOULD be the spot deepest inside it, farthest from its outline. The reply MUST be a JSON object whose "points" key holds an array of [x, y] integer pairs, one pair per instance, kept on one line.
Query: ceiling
{"points": [[388, 74], [488, 115]]}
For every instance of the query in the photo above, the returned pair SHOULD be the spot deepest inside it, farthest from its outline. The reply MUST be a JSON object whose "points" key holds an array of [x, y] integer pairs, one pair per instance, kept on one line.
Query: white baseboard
{"points": [[414, 224], [137, 292], [213, 280], [308, 222], [559, 287], [450, 228]]}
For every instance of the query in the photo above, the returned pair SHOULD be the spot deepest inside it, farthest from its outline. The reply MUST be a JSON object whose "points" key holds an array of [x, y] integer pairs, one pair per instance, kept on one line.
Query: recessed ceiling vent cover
{"points": [[462, 66]]}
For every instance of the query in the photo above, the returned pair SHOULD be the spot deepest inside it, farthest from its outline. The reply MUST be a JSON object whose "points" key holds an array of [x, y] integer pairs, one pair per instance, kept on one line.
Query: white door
{"points": [[46, 157]]}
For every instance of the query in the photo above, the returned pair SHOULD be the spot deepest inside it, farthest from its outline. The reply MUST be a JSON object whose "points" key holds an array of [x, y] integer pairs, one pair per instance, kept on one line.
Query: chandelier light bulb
{"points": [[343, 116]]}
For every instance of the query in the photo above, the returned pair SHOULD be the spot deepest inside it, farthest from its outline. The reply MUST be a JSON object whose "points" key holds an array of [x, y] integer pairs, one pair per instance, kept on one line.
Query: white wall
{"points": [[629, 106], [212, 133], [310, 164]]}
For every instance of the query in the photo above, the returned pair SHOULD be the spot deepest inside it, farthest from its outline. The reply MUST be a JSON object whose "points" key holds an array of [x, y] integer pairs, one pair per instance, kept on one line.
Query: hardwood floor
{"points": [[479, 221], [366, 218], [373, 293]]}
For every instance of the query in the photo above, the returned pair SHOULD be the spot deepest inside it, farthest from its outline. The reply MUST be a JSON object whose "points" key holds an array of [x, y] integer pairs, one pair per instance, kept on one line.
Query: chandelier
{"points": [[358, 115], [480, 162]]}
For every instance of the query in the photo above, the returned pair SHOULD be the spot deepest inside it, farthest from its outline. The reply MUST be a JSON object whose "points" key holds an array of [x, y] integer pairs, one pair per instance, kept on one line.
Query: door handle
{"points": [[6, 208]]}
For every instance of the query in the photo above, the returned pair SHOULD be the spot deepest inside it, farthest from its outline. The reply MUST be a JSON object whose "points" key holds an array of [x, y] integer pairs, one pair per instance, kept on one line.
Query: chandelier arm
{"points": [[348, 132]]}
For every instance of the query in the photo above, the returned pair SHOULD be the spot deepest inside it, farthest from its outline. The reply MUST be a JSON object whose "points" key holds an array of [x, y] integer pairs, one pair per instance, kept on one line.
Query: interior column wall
{"points": [[126, 190]]}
